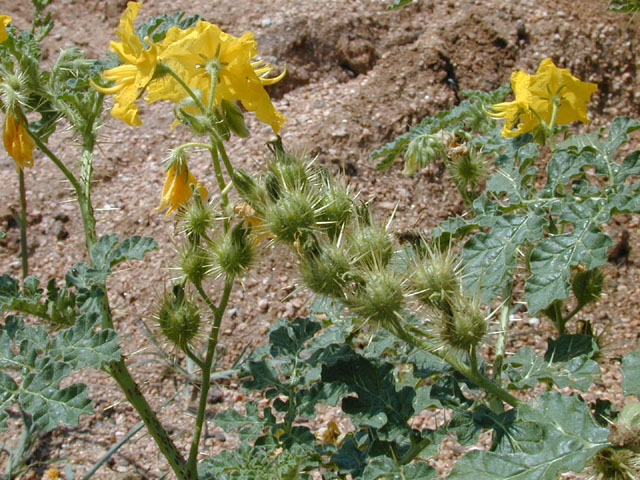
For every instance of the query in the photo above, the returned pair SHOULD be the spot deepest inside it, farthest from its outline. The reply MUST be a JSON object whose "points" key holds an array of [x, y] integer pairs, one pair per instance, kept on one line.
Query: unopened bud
{"points": [[194, 263], [464, 326], [234, 118]]}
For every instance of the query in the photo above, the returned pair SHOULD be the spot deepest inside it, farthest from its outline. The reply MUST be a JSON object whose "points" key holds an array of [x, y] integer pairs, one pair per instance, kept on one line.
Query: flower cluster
{"points": [[202, 69], [552, 95], [207, 59]]}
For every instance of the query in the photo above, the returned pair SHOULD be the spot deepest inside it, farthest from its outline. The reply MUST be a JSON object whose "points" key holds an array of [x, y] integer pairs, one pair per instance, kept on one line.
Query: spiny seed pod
{"points": [[234, 252], [335, 209], [325, 272], [469, 168], [587, 286], [371, 245], [290, 175], [612, 463], [178, 318], [380, 298], [292, 217], [464, 326], [194, 263], [196, 219], [436, 278]]}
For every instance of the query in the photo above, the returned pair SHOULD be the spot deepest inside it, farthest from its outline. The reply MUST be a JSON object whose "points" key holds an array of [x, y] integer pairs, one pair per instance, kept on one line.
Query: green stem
{"points": [[225, 158], [130, 434], [184, 85], [197, 360], [23, 225], [52, 156], [119, 372], [206, 369], [501, 341], [458, 365], [218, 171], [559, 321], [572, 313]]}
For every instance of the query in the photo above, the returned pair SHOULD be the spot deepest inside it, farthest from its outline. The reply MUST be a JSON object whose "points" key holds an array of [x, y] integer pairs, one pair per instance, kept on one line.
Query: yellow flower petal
{"points": [[18, 143], [4, 21], [177, 188], [136, 72], [237, 78]]}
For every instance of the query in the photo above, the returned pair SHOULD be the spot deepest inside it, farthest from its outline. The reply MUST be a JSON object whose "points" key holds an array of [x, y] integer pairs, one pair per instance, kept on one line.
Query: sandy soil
{"points": [[357, 76]]}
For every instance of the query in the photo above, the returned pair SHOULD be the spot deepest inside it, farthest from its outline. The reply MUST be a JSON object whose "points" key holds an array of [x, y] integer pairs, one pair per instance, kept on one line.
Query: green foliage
{"points": [[156, 28], [40, 362], [550, 435], [631, 6], [631, 372]]}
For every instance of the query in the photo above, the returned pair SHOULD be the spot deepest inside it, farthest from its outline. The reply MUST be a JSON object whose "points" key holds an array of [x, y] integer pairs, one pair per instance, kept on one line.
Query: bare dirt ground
{"points": [[357, 76]]}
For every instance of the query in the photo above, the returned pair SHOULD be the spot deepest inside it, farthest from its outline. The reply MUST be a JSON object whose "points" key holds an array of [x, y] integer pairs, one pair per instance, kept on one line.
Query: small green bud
{"points": [[587, 286], [234, 118], [250, 191], [61, 305], [380, 298], [371, 245], [234, 252], [324, 273], [464, 326], [436, 278], [193, 261], [178, 318], [291, 218], [196, 219], [199, 124]]}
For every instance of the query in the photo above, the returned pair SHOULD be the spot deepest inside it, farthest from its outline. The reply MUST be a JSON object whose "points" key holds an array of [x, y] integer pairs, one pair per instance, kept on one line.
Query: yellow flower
{"points": [[135, 73], [17, 141], [51, 474], [535, 96], [177, 187], [187, 53], [518, 117], [4, 21], [572, 93]]}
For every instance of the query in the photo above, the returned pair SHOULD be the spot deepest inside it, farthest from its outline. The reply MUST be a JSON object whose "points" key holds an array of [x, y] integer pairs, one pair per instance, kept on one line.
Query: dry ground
{"points": [[357, 76]]}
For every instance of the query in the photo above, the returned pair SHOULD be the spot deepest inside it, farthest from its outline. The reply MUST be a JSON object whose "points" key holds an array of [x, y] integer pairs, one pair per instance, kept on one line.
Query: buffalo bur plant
{"points": [[395, 331]]}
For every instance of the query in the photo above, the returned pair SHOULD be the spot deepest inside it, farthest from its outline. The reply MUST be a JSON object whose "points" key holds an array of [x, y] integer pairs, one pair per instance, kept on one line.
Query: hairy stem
{"points": [[23, 226], [206, 369], [457, 364], [501, 341]]}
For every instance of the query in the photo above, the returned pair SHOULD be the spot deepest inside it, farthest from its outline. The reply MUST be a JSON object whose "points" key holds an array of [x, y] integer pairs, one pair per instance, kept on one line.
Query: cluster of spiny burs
{"points": [[344, 253]]}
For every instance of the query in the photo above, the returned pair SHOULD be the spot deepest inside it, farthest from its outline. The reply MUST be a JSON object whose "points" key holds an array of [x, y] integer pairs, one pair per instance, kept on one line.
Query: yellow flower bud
{"points": [[17, 141]]}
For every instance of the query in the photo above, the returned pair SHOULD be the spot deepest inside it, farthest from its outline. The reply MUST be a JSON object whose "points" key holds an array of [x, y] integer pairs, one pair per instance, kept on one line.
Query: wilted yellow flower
{"points": [[573, 94], [187, 53], [177, 187], [51, 474], [17, 141], [535, 96], [4, 21], [137, 70]]}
